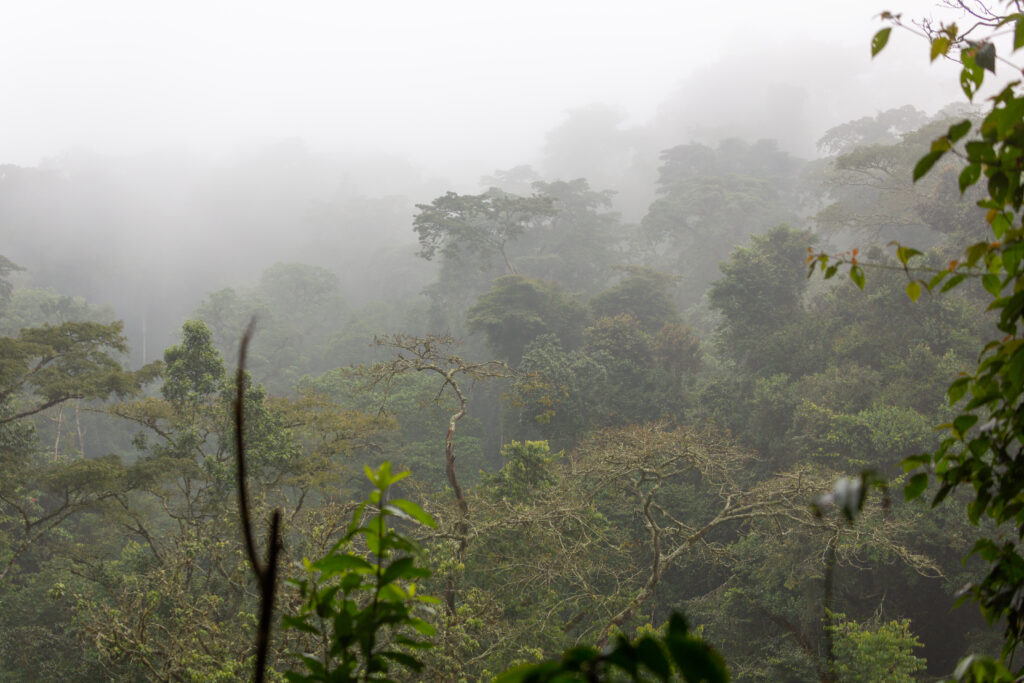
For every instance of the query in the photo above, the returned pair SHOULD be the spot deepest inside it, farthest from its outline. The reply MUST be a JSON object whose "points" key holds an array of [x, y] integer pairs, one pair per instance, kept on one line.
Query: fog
{"points": [[152, 156], [436, 83], [584, 227]]}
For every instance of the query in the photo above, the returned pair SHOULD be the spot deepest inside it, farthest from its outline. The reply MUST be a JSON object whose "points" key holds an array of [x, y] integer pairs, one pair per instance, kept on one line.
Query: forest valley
{"points": [[606, 422]]}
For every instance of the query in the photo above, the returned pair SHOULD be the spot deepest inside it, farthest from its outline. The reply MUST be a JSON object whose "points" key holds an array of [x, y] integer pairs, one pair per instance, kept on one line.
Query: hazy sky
{"points": [[425, 79]]}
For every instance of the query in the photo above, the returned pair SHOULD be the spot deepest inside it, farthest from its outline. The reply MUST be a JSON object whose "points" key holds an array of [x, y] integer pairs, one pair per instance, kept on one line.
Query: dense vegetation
{"points": [[606, 424]]}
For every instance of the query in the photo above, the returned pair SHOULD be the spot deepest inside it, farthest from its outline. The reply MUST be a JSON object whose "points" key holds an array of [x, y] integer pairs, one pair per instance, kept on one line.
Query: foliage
{"points": [[6, 268], [678, 651], [710, 199], [518, 309], [361, 606], [761, 296], [643, 293], [46, 366], [481, 225], [982, 453], [527, 467], [864, 654]]}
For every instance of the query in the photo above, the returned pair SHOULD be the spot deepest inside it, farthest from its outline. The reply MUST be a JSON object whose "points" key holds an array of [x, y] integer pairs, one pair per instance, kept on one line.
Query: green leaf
{"points": [[998, 186], [913, 290], [650, 654], [696, 661], [953, 282], [299, 624], [406, 660], [912, 462], [962, 423], [1000, 224], [981, 152], [958, 389], [916, 486], [1018, 32], [969, 176], [529, 672], [422, 626], [415, 511], [335, 564], [959, 129], [986, 57], [404, 568], [904, 254], [879, 40], [940, 46], [857, 275], [992, 284], [941, 495], [925, 164]]}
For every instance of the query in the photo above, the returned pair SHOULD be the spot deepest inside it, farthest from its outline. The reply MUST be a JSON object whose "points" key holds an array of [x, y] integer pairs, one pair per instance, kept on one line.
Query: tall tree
{"points": [[480, 226]]}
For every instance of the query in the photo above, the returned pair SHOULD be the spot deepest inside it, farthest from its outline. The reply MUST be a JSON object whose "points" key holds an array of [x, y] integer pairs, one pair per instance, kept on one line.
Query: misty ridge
{"points": [[559, 347]]}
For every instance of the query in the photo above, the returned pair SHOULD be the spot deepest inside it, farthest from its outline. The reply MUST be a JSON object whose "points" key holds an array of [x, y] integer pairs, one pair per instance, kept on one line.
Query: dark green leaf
{"points": [[406, 660], [998, 185], [915, 486], [958, 130], [650, 654], [986, 57], [953, 282], [962, 423], [981, 152], [941, 495], [696, 661], [958, 389], [969, 176], [925, 164]]}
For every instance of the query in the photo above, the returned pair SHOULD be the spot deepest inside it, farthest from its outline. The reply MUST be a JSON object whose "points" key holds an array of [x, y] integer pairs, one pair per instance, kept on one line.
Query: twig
{"points": [[266, 575]]}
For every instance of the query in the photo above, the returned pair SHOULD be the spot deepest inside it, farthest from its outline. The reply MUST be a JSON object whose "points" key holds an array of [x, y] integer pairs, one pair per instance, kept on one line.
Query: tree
{"points": [[711, 199], [41, 368], [6, 268], [643, 293], [517, 310], [433, 355], [559, 393], [760, 296], [982, 454], [481, 225]]}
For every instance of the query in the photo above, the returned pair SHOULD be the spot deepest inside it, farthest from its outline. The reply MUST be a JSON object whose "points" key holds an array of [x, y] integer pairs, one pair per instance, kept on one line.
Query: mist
{"points": [[176, 152]]}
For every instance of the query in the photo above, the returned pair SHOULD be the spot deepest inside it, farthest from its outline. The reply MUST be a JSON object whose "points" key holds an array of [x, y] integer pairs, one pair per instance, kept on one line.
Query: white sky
{"points": [[423, 79]]}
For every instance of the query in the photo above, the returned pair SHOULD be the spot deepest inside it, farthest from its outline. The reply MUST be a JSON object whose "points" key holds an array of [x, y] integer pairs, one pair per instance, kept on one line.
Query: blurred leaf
{"points": [[879, 40]]}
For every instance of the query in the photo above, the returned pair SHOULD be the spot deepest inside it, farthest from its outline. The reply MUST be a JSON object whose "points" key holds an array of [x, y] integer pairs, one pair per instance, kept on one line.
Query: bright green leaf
{"points": [[857, 275], [879, 40]]}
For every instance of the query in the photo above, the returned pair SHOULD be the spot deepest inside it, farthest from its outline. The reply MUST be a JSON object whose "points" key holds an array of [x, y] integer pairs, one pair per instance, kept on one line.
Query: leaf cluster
{"points": [[365, 638]]}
